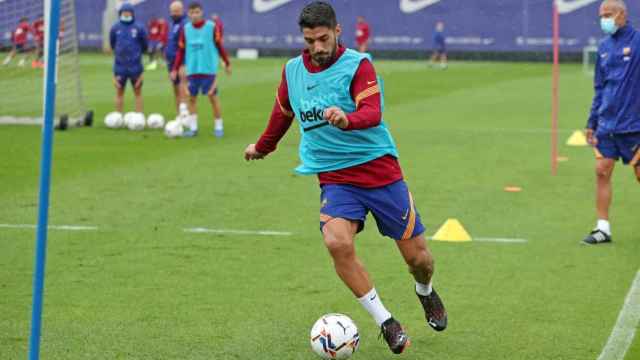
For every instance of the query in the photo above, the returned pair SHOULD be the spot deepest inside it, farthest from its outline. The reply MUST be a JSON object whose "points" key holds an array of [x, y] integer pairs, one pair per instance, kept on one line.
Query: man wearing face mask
{"points": [[613, 127], [337, 98], [128, 40]]}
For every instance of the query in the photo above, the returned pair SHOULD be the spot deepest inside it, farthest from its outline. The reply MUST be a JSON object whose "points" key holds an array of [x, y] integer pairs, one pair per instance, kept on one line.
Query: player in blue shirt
{"points": [[439, 47], [128, 41], [614, 124], [178, 21]]}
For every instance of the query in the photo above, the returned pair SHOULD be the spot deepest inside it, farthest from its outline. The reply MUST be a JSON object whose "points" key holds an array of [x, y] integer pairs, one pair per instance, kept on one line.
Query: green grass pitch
{"points": [[141, 288]]}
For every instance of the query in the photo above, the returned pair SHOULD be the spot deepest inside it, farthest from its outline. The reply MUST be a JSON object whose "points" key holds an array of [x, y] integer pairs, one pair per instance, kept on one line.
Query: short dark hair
{"points": [[195, 5], [316, 14]]}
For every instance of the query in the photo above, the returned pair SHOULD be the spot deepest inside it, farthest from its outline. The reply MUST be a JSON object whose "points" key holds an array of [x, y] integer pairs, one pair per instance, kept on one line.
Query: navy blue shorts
{"points": [[391, 206], [440, 49], [21, 48], [124, 76], [616, 146], [202, 85]]}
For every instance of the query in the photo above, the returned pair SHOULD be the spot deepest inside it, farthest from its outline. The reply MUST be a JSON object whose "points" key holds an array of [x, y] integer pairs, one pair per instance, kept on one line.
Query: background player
{"points": [[158, 36], [178, 21], [19, 39], [219, 25], [614, 124], [363, 33], [200, 48], [38, 37], [333, 92], [439, 47], [128, 41]]}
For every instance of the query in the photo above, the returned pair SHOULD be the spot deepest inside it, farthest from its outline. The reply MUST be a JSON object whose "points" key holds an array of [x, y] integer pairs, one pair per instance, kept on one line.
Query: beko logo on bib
{"points": [[262, 6], [411, 6], [569, 6]]}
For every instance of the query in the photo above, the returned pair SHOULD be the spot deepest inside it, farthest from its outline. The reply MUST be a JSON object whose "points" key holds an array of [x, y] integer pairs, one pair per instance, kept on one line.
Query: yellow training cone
{"points": [[452, 230], [577, 139]]}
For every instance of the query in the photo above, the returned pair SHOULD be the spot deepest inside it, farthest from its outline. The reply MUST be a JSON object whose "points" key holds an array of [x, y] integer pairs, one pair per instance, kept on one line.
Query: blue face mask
{"points": [[126, 19], [608, 25]]}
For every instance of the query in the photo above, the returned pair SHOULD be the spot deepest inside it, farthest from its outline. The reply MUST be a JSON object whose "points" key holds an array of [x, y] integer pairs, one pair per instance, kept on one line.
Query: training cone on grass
{"points": [[577, 139], [452, 230]]}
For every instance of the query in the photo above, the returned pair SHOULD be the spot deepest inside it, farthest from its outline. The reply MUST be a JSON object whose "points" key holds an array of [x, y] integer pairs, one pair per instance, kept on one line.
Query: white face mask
{"points": [[608, 25], [126, 19]]}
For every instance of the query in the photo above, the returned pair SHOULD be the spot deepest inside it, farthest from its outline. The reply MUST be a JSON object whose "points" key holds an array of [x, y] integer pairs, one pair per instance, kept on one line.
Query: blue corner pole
{"points": [[52, 14]]}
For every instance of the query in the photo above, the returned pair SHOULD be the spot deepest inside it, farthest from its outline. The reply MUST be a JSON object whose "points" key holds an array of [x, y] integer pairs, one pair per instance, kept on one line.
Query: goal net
{"points": [[22, 36]]}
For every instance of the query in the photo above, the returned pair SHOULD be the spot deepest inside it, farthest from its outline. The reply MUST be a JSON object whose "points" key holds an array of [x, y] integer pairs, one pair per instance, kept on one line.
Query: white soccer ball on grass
{"points": [[173, 129], [135, 121], [155, 121], [335, 336], [114, 120]]}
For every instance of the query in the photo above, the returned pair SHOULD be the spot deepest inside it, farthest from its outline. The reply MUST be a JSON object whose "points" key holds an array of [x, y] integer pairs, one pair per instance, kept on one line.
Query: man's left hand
{"points": [[336, 117]]}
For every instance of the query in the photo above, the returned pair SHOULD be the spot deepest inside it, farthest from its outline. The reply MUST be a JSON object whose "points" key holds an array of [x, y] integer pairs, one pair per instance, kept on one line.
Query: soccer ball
{"points": [[114, 120], [127, 117], [173, 129], [135, 121], [155, 121], [335, 336]]}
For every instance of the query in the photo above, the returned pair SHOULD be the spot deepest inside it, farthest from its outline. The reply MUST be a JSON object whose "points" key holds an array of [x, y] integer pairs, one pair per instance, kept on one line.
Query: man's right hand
{"points": [[173, 75], [591, 139], [116, 83], [250, 153]]}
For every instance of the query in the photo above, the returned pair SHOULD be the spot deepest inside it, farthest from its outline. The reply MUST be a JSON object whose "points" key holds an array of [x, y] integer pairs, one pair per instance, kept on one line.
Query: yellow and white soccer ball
{"points": [[135, 121], [335, 336], [173, 129], [114, 120], [155, 121]]}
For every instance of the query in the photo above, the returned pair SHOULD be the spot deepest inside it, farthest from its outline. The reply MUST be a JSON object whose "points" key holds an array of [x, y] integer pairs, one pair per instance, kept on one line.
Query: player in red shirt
{"points": [[348, 191], [219, 26], [363, 33], [38, 36], [19, 39], [158, 36]]}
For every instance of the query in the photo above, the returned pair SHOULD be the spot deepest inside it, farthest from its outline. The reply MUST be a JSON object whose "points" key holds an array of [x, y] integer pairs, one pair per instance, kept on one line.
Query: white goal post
{"points": [[22, 34]]}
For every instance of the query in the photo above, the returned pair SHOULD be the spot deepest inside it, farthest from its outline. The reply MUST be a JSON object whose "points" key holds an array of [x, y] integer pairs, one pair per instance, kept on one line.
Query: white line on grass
{"points": [[237, 232], [51, 227], [502, 240], [625, 329], [496, 240]]}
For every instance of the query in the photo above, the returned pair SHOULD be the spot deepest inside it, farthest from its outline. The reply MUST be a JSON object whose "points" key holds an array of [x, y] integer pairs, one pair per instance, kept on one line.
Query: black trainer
{"points": [[394, 335], [434, 310], [597, 237]]}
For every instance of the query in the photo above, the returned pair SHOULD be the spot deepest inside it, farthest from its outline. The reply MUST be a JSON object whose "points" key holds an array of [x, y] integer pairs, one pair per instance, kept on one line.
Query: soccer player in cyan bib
{"points": [[336, 97], [200, 48]]}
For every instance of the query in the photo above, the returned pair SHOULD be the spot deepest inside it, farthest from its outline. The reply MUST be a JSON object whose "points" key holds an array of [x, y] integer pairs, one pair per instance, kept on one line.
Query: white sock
{"points": [[183, 109], [373, 305], [193, 122], [604, 226], [424, 290], [218, 125]]}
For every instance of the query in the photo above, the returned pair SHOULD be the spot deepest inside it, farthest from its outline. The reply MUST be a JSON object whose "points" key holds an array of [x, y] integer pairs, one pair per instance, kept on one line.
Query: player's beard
{"points": [[325, 58]]}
